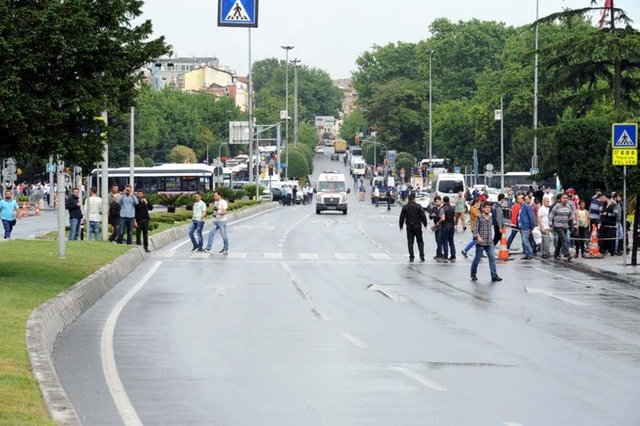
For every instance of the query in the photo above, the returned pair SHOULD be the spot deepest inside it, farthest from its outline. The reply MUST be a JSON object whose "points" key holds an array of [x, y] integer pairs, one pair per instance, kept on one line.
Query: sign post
{"points": [[624, 143], [243, 14]]}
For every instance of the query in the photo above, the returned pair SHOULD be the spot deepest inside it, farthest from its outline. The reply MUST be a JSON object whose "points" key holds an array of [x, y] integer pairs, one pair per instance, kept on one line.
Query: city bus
{"points": [[166, 178], [438, 165]]}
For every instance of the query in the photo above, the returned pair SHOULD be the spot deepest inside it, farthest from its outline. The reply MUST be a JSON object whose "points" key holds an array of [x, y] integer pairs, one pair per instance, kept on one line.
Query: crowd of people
{"points": [[540, 217]]}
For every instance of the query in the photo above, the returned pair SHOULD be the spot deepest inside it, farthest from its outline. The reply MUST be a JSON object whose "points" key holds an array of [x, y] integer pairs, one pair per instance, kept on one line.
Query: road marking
{"points": [[304, 295], [321, 315], [354, 340], [345, 256], [420, 379], [236, 254], [309, 256], [109, 367], [554, 296], [273, 255], [511, 424], [380, 256]]}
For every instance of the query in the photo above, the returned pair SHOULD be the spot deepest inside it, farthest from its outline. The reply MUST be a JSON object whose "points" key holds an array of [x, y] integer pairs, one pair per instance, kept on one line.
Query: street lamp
{"points": [[499, 115], [295, 63], [430, 112], [534, 160], [286, 105]]}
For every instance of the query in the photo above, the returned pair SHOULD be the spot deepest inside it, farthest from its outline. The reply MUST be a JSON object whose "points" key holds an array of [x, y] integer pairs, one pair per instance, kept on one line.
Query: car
{"points": [[492, 194], [319, 150], [423, 198], [335, 157]]}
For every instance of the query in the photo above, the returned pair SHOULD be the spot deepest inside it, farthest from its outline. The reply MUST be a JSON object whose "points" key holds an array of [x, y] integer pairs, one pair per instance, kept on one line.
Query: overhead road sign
{"points": [[624, 135], [238, 13], [625, 157], [238, 132]]}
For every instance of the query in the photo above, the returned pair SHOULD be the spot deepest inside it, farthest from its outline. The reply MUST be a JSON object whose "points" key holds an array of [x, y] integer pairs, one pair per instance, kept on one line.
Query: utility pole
{"points": [[286, 107], [430, 112], [534, 159], [132, 151], [295, 63]]}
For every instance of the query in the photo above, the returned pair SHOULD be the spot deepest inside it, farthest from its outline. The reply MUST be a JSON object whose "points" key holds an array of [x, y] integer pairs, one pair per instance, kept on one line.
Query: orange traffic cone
{"points": [[594, 246], [504, 252], [25, 212], [37, 210]]}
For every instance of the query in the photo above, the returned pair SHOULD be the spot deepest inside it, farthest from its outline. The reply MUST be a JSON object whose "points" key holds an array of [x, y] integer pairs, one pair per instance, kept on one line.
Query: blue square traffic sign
{"points": [[624, 135], [237, 13]]}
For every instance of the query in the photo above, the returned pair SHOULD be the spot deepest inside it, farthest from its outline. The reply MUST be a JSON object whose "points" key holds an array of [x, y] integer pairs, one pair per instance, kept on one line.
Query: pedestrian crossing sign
{"points": [[238, 13], [625, 135]]}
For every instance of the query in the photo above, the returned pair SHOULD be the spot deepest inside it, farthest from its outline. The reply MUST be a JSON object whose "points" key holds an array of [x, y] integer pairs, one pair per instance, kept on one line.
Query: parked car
{"points": [[423, 198], [319, 149], [335, 157]]}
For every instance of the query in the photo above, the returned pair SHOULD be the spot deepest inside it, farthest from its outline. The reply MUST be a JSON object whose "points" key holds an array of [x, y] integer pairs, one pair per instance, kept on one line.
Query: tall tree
{"points": [[73, 62]]}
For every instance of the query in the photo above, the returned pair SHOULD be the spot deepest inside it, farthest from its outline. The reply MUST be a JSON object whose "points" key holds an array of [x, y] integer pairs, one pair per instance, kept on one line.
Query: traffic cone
{"points": [[25, 212], [504, 252], [37, 210], [594, 245]]}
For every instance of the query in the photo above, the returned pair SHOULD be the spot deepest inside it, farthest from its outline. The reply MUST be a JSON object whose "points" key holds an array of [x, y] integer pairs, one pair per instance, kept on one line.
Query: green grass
{"points": [[31, 274]]}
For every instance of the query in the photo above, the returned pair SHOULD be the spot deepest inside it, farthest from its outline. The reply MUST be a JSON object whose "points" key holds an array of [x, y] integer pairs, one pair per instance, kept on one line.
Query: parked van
{"points": [[448, 184], [331, 192]]}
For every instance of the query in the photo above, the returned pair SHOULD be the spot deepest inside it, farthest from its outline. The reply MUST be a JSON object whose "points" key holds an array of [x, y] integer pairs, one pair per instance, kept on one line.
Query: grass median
{"points": [[31, 274]]}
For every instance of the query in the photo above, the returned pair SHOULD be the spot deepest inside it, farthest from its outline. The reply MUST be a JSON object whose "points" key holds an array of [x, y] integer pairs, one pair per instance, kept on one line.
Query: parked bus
{"points": [[166, 178]]}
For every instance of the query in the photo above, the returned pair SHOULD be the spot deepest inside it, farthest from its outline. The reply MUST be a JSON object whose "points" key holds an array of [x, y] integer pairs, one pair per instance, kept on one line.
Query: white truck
{"points": [[331, 192]]}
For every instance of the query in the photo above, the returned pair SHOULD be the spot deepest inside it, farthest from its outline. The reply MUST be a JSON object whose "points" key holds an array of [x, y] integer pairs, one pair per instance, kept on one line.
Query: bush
{"points": [[250, 190]]}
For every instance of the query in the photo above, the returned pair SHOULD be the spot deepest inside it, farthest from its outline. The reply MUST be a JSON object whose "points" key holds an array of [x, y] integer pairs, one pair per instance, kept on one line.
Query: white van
{"points": [[358, 166], [331, 192], [448, 185]]}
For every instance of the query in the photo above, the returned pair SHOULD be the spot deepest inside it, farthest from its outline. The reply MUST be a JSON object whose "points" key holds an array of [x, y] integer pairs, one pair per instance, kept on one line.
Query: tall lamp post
{"points": [[286, 106], [430, 112], [499, 115], [295, 63], [534, 159]]}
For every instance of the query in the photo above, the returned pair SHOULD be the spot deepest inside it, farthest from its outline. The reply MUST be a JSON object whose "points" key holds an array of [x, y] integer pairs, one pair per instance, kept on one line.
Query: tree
{"points": [[74, 62], [148, 162], [298, 167], [182, 154], [307, 135], [138, 161], [353, 124]]}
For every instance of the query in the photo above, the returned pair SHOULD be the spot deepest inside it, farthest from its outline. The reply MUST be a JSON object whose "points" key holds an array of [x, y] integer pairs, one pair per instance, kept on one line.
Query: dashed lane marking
{"points": [[354, 340], [424, 381]]}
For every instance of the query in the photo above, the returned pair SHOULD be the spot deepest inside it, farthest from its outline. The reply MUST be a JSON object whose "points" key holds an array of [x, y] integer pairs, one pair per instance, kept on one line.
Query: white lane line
{"points": [[354, 340], [385, 291], [273, 255], [236, 255], [294, 281], [380, 256], [554, 296], [424, 381], [511, 424], [345, 256], [309, 256], [321, 315], [109, 367]]}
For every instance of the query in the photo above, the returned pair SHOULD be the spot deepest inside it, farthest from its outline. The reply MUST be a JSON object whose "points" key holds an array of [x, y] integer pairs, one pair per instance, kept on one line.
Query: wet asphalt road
{"points": [[320, 320]]}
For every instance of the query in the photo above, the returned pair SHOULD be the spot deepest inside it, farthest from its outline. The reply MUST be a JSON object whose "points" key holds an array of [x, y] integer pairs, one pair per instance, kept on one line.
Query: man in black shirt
{"points": [[413, 214], [447, 226], [142, 219]]}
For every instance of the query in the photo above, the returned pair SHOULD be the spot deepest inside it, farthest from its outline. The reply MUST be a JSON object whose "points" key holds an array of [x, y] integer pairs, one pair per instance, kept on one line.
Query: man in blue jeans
{"points": [[197, 222], [74, 206], [9, 212], [526, 222], [484, 243], [220, 207]]}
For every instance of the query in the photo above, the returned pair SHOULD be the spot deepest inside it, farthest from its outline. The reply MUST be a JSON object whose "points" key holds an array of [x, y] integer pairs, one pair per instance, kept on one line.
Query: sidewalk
{"points": [[609, 267]]}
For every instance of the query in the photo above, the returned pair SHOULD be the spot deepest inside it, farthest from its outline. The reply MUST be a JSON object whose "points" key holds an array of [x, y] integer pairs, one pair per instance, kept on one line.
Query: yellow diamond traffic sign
{"points": [[625, 157]]}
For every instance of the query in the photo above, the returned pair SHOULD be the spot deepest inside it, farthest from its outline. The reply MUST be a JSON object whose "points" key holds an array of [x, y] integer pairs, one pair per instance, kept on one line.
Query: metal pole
{"points": [[132, 153], [278, 142], [534, 159], [51, 193], [295, 102], [430, 113], [250, 107], [104, 183], [501, 142], [286, 107], [61, 207], [624, 216]]}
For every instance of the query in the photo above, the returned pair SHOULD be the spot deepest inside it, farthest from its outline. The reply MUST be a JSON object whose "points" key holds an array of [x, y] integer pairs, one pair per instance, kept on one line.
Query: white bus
{"points": [[438, 165], [166, 178]]}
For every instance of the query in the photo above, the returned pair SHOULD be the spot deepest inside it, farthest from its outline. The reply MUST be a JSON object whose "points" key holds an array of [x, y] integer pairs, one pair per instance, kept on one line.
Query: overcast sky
{"points": [[331, 34]]}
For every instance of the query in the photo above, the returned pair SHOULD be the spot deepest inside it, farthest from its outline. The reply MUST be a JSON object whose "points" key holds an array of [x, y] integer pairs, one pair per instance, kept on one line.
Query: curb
{"points": [[48, 320], [598, 272]]}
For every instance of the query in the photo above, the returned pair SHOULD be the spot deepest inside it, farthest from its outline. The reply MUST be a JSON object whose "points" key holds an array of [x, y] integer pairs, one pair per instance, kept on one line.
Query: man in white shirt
{"points": [[548, 195], [543, 224], [220, 207], [94, 214]]}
